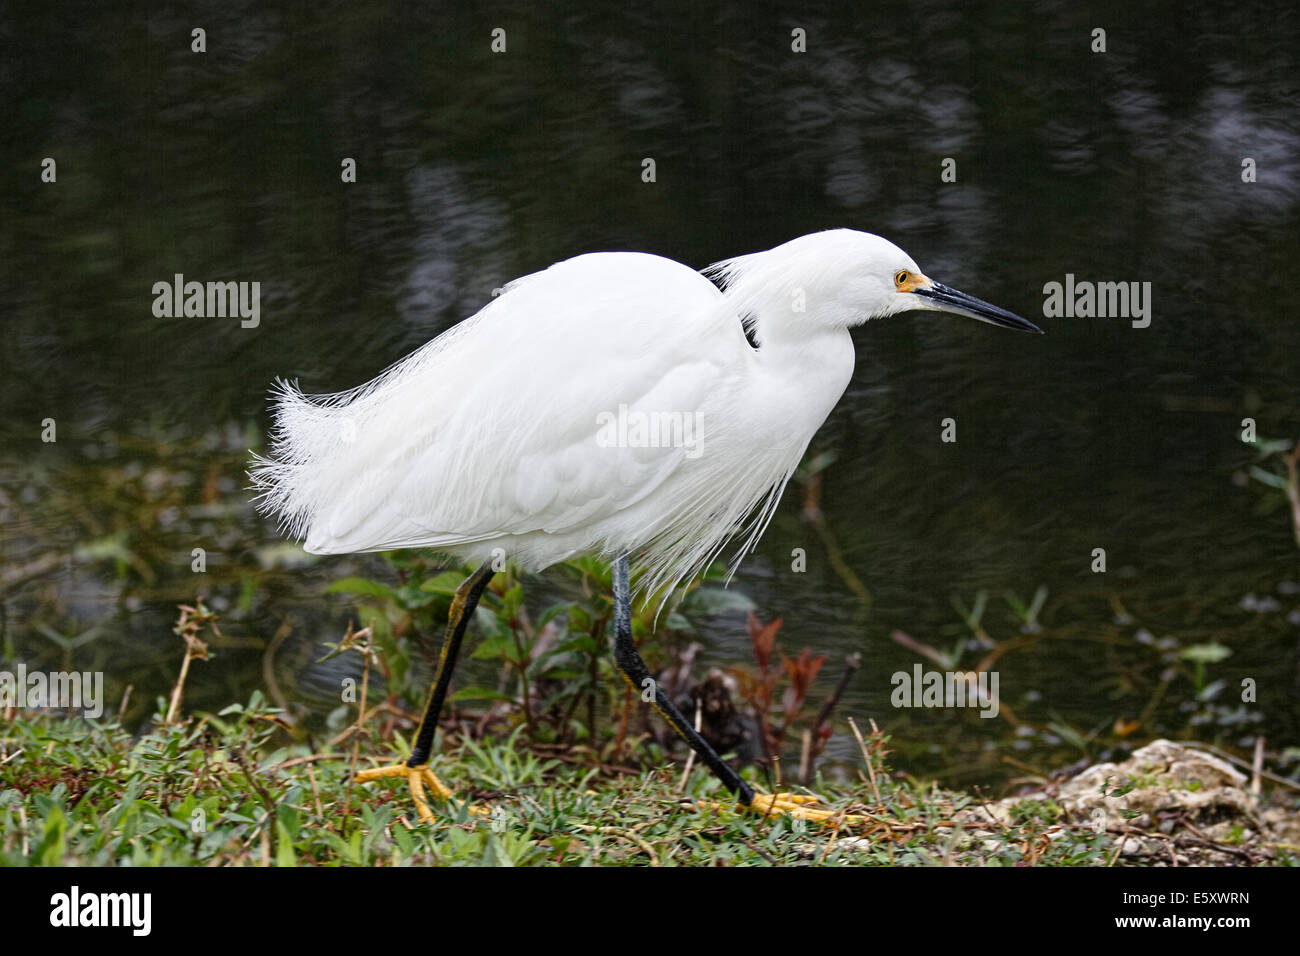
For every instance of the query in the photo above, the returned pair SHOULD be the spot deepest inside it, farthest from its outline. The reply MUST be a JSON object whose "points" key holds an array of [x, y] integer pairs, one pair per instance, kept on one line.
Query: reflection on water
{"points": [[475, 168]]}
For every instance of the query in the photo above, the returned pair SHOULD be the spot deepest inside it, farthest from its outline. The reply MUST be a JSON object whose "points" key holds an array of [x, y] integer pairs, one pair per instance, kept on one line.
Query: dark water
{"points": [[475, 167]]}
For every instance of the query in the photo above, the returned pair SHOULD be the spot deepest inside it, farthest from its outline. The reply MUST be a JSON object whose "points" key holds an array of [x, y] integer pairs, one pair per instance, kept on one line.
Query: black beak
{"points": [[950, 300]]}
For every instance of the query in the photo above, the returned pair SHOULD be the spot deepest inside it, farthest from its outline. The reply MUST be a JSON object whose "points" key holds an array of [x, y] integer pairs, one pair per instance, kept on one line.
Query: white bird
{"points": [[611, 404]]}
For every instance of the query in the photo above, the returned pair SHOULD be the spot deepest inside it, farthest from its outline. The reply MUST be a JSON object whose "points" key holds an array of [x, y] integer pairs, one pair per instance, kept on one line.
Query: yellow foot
{"points": [[796, 805], [416, 779]]}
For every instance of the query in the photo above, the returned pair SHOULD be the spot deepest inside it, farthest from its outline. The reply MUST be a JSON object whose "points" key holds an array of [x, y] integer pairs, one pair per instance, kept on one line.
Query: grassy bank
{"points": [[556, 764], [224, 789]]}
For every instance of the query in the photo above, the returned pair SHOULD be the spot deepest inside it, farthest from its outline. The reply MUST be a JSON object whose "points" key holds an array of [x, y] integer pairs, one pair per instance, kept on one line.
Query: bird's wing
{"points": [[495, 427]]}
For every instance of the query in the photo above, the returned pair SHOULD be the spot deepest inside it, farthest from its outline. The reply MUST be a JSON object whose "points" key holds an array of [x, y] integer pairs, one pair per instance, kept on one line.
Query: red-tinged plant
{"points": [[758, 689]]}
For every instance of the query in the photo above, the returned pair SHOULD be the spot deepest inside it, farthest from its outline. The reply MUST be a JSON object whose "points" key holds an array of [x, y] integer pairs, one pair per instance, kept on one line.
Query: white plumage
{"points": [[496, 434]]}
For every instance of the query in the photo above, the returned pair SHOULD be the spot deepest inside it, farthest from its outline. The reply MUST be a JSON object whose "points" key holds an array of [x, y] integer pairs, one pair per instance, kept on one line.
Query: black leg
{"points": [[462, 611], [636, 674]]}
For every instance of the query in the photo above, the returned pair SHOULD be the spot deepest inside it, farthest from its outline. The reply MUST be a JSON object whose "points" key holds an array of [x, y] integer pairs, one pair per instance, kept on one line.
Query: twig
{"points": [[354, 640], [851, 665], [192, 619], [253, 780], [310, 758], [805, 757], [1234, 759], [1119, 846], [315, 791], [834, 837], [12, 577], [993, 817], [268, 664], [1212, 845], [622, 834], [690, 758], [385, 707], [866, 756], [759, 851]]}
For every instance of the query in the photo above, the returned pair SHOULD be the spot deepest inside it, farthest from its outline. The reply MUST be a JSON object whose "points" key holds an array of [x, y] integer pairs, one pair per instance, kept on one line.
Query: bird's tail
{"points": [[325, 452], [306, 435]]}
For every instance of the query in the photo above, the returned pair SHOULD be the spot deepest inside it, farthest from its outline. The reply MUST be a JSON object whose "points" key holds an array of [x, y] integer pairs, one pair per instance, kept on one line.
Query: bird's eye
{"points": [[901, 276]]}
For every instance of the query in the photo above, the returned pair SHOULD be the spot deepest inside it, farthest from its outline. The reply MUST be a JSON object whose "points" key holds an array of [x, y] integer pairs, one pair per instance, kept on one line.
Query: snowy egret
{"points": [[611, 404]]}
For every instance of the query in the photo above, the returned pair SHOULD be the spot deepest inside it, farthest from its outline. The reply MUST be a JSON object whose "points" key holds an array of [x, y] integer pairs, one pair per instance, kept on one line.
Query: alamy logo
{"points": [[1085, 300], [58, 689], [637, 429], [210, 300], [946, 689], [75, 908]]}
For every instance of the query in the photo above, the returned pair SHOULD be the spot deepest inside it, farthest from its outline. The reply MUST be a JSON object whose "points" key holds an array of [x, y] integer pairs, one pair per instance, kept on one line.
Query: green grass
{"points": [[242, 787], [225, 790]]}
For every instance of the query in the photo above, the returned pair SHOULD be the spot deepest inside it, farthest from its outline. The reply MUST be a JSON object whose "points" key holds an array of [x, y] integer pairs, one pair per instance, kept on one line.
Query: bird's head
{"points": [[841, 278]]}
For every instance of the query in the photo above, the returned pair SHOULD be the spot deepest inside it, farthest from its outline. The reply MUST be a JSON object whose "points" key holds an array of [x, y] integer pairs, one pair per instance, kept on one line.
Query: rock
{"points": [[1167, 788], [1133, 847], [1164, 777]]}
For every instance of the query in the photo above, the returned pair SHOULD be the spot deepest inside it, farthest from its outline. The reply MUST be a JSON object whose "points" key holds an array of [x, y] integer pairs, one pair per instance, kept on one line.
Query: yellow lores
{"points": [[905, 281]]}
